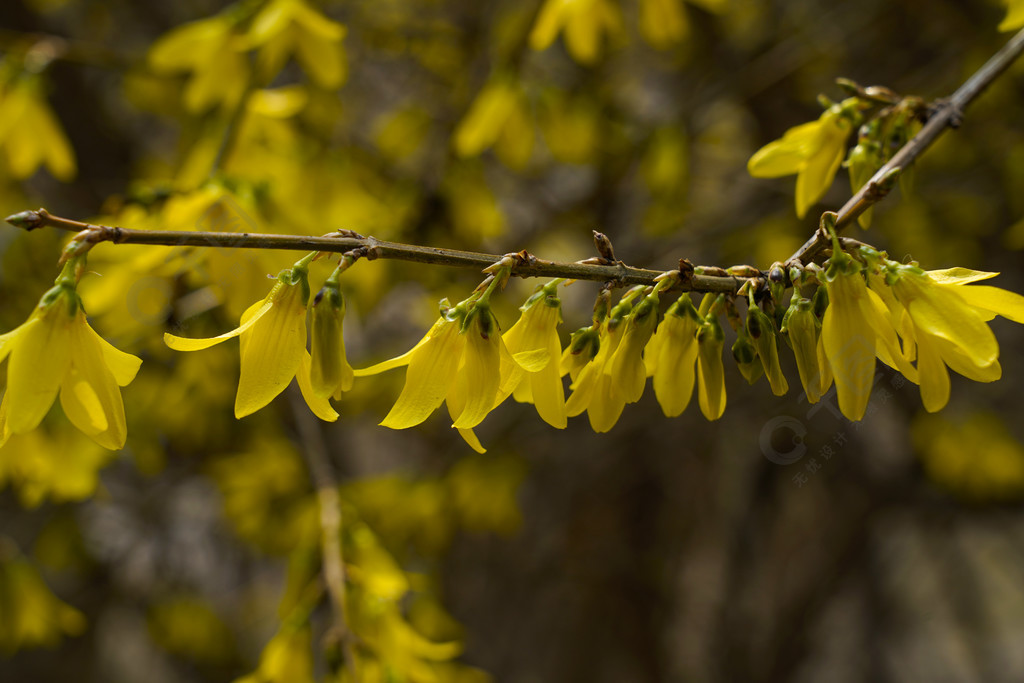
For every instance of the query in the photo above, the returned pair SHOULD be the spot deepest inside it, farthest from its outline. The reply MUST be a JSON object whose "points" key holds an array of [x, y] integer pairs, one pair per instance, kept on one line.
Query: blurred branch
{"points": [[332, 553], [947, 113]]}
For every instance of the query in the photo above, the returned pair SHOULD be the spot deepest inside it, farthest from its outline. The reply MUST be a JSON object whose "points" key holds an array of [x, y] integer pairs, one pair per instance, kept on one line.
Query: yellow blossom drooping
{"points": [[710, 372], [626, 366], [461, 361], [595, 390], [57, 350], [212, 51], [330, 373], [272, 340], [762, 330], [856, 328], [287, 27], [30, 134], [584, 23], [812, 150], [948, 323], [671, 356], [804, 333], [533, 342]]}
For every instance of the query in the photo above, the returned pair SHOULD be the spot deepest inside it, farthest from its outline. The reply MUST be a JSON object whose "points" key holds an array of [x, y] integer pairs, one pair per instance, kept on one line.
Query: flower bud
{"points": [[330, 373]]}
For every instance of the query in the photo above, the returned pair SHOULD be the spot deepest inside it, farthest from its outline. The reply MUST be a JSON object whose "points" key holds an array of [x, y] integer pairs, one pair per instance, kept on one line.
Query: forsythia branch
{"points": [[947, 113]]}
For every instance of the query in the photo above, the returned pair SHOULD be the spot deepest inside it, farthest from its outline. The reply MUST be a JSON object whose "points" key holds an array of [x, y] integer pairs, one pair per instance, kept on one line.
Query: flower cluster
{"points": [[840, 319]]}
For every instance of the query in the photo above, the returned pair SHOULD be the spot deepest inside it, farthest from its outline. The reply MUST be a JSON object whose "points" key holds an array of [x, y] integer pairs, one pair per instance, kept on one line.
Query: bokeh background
{"points": [[780, 543]]}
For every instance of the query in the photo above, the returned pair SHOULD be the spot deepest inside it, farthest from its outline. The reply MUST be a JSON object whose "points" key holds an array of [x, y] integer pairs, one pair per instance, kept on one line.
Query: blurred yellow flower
{"points": [[287, 27], [212, 51], [272, 340], [57, 350], [499, 118], [534, 344], [584, 23], [30, 134], [812, 150], [1014, 15], [33, 616]]}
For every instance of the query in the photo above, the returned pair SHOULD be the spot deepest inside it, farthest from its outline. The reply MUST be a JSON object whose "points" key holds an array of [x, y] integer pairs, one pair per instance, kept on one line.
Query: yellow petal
{"points": [[959, 276], [817, 174], [124, 366], [271, 351], [470, 437], [710, 372], [850, 344], [549, 22], [320, 406], [480, 372], [187, 344], [787, 155], [432, 368], [933, 374], [675, 344], [1002, 302], [89, 393], [548, 395], [39, 358]]}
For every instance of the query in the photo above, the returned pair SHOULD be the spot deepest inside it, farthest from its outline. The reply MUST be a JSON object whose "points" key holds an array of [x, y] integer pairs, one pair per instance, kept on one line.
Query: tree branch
{"points": [[528, 266]]}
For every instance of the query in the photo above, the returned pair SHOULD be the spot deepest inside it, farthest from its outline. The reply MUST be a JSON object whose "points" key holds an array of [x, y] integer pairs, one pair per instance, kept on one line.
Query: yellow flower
{"points": [[812, 150], [57, 350], [272, 341], [626, 366], [33, 615], [856, 328], [498, 118], [30, 134], [1014, 15], [762, 330], [213, 52], [286, 27], [533, 343], [462, 362], [710, 373], [948, 323], [803, 331], [593, 390], [330, 373], [671, 355], [582, 348], [583, 21]]}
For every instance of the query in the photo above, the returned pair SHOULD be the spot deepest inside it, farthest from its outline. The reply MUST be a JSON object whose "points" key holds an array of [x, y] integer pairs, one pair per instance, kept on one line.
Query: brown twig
{"points": [[374, 248]]}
